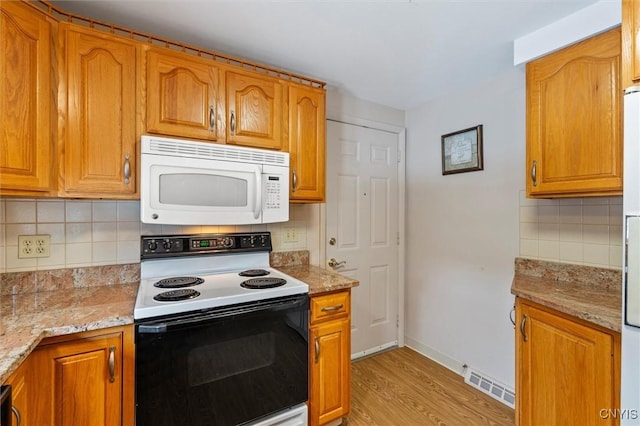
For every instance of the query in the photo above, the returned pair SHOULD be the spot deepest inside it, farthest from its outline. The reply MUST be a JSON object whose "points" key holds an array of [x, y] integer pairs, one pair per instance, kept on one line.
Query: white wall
{"points": [[462, 229]]}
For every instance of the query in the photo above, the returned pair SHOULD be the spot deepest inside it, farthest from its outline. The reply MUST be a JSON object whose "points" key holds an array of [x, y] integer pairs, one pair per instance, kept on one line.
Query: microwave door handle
{"points": [[258, 208]]}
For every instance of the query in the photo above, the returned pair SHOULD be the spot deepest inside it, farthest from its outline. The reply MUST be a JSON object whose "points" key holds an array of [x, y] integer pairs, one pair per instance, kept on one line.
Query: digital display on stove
{"points": [[205, 243]]}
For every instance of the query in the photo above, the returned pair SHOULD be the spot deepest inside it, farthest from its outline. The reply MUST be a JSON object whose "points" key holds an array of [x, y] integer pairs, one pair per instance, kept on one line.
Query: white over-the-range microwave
{"points": [[199, 183]]}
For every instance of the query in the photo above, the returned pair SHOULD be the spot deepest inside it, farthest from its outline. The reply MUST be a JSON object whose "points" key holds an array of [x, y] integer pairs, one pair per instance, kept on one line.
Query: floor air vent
{"points": [[490, 387]]}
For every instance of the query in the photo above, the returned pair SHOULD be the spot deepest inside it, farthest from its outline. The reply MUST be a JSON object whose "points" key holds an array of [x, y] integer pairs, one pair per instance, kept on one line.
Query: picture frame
{"points": [[462, 151]]}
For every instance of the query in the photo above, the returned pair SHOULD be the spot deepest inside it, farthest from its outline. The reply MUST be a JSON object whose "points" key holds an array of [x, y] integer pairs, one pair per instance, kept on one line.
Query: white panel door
{"points": [[362, 228]]}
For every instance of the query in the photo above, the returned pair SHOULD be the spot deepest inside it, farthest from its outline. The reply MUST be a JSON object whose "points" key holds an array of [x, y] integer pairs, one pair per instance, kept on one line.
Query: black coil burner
{"points": [[176, 295], [254, 273], [259, 283], [178, 282]]}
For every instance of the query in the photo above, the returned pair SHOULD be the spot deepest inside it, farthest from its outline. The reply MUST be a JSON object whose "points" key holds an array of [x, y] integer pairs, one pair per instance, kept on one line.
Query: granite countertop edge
{"points": [[588, 293], [28, 318]]}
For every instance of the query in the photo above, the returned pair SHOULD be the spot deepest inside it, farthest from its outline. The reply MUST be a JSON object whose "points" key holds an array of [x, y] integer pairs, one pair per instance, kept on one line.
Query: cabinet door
{"points": [[330, 357], [26, 99], [80, 381], [630, 46], [565, 371], [574, 107], [100, 133], [307, 145], [21, 382], [254, 110], [182, 96]]}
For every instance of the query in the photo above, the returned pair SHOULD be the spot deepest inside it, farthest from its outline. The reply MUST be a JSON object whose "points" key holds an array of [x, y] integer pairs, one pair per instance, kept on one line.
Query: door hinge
{"points": [[398, 238], [397, 321], [399, 156]]}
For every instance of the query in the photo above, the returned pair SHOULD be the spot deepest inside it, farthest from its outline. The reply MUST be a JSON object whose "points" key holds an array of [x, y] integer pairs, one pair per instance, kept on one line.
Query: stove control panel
{"points": [[185, 245]]}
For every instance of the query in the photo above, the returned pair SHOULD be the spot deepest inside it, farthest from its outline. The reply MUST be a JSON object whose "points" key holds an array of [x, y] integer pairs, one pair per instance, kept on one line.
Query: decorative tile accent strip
{"points": [[586, 275], [289, 258], [12, 283]]}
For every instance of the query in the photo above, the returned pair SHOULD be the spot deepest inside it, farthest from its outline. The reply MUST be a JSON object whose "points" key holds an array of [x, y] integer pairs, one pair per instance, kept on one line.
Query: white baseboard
{"points": [[442, 359]]}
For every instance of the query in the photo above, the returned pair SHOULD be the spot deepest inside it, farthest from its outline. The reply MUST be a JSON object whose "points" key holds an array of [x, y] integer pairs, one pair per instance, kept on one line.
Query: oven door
{"points": [[227, 366]]}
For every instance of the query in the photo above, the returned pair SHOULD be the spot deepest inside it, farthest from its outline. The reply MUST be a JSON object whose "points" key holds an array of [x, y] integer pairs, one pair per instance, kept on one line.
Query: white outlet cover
{"points": [[30, 246]]}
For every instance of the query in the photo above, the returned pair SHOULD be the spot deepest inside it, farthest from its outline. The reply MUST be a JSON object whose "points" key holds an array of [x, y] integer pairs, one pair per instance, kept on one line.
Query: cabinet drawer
{"points": [[330, 306]]}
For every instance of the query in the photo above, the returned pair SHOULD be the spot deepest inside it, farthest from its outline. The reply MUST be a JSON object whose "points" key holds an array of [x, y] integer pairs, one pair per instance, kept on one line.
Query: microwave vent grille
{"points": [[217, 152]]}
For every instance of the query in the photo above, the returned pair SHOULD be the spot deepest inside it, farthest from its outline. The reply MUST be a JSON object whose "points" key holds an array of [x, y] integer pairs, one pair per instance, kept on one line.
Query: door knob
{"points": [[332, 241], [334, 263]]}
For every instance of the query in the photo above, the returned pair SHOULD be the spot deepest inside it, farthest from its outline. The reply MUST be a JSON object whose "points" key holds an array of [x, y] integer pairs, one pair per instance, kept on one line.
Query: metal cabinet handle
{"points": [[317, 345], [331, 308], [232, 122], [534, 176], [126, 169], [112, 364], [523, 323], [334, 263], [16, 413], [212, 118], [295, 180], [512, 318]]}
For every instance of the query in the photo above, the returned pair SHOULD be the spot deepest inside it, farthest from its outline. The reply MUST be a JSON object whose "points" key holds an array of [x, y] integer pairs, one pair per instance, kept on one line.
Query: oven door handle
{"points": [[200, 317]]}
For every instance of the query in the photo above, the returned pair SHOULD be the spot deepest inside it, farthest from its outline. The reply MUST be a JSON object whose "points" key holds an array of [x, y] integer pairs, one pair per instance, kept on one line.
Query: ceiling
{"points": [[396, 53]]}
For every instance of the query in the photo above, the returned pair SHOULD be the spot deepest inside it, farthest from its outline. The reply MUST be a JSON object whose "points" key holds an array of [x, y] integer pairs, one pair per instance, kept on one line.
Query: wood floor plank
{"points": [[402, 387]]}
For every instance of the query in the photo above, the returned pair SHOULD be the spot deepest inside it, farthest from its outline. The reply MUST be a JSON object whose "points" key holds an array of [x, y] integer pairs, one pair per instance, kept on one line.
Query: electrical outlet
{"points": [[34, 246], [290, 235]]}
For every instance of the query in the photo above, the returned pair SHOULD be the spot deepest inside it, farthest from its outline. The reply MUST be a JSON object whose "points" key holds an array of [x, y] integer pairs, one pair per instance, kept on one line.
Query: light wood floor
{"points": [[401, 387]]}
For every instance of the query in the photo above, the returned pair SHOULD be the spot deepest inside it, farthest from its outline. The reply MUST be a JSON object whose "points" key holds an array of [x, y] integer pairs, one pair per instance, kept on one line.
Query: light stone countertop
{"points": [[589, 293], [40, 304], [28, 318]]}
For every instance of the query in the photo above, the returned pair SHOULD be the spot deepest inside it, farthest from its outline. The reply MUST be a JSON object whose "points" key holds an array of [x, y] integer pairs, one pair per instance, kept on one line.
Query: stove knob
{"points": [[167, 245], [152, 246], [227, 242]]}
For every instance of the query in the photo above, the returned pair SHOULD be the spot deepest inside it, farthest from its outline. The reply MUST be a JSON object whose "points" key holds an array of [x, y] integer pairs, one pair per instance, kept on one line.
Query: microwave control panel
{"points": [[273, 189]]}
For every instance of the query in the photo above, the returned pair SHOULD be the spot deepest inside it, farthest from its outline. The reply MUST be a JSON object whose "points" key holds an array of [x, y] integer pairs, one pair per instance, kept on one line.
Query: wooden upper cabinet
{"points": [[574, 110], [307, 144], [254, 110], [182, 96], [100, 154], [27, 101], [630, 43]]}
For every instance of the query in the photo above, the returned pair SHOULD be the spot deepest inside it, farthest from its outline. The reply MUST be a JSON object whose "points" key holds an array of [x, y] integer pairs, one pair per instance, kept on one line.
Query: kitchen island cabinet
{"points": [[330, 357], [27, 93], [574, 127], [83, 379], [567, 369], [101, 103], [307, 144]]}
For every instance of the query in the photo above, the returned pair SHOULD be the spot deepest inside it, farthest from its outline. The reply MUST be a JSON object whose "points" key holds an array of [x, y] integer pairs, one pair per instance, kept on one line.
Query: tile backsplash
{"points": [[107, 232], [584, 231]]}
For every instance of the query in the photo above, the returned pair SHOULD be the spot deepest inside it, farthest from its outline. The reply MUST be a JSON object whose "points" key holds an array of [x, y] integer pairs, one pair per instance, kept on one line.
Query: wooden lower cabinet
{"points": [[19, 381], [567, 370], [330, 357], [82, 379]]}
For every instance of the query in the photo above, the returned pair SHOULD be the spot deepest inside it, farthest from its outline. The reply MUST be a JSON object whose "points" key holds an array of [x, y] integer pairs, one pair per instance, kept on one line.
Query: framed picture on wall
{"points": [[462, 151]]}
